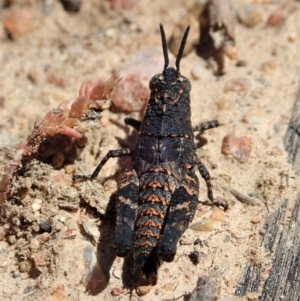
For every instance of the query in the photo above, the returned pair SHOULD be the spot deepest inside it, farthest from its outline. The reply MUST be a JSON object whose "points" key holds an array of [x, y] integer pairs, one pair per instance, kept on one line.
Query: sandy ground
{"points": [[91, 44]]}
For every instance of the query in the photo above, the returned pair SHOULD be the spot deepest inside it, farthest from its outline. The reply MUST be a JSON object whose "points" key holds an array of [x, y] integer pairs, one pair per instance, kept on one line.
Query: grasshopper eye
{"points": [[155, 80], [152, 83]]}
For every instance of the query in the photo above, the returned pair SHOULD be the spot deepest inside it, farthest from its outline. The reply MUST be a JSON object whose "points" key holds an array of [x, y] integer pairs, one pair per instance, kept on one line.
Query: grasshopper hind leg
{"points": [[182, 210], [126, 211]]}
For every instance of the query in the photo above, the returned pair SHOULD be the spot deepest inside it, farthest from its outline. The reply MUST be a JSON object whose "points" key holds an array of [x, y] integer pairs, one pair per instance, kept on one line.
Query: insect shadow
{"points": [[99, 277], [105, 251], [131, 136]]}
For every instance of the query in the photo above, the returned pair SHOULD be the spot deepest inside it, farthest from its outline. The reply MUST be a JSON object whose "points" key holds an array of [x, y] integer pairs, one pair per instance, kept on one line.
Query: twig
{"points": [[241, 197]]}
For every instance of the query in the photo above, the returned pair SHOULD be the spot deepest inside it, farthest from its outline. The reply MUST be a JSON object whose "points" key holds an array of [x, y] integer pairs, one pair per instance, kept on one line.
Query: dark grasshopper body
{"points": [[164, 163], [158, 195]]}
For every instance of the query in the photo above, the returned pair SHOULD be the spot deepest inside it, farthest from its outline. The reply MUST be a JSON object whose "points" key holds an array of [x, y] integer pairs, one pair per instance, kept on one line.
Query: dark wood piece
{"points": [[292, 136], [281, 237], [283, 240]]}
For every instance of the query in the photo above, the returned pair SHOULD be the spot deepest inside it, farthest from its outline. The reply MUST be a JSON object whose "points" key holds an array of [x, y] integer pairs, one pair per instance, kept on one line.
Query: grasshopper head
{"points": [[171, 78]]}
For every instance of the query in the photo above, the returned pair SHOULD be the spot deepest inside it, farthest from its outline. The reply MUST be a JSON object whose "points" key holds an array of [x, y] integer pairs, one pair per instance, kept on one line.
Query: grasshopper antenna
{"points": [[164, 46], [181, 49]]}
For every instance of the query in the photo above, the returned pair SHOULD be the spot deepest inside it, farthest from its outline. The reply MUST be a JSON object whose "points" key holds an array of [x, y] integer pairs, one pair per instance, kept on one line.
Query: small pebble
{"points": [[184, 241], [20, 22], [91, 228], [110, 186], [116, 291], [268, 66], [27, 183], [265, 82], [15, 275], [206, 290], [225, 104], [237, 84], [110, 33], [44, 237], [56, 248], [45, 226], [206, 224], [225, 177], [238, 147], [36, 207], [34, 244], [205, 242], [4, 264], [227, 238], [197, 71], [292, 37], [11, 239], [143, 290], [34, 76], [231, 52], [21, 242], [276, 151], [37, 215], [59, 293], [252, 295], [134, 27], [218, 214], [40, 258], [253, 117], [59, 226], [38, 201], [199, 242], [70, 169], [62, 219], [195, 257], [277, 17], [169, 287], [241, 63], [256, 219], [70, 234], [25, 266], [248, 14]]}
